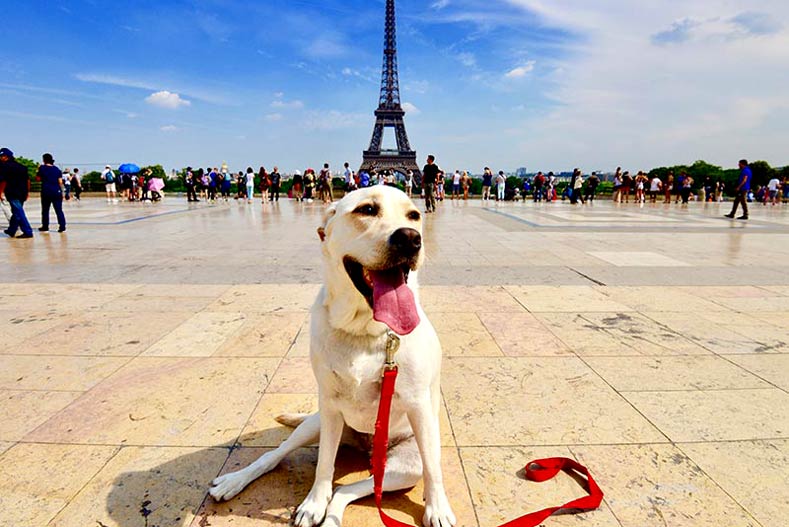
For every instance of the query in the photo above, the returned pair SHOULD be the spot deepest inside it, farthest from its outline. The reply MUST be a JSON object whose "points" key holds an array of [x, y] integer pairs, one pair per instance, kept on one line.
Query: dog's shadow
{"points": [[169, 494]]}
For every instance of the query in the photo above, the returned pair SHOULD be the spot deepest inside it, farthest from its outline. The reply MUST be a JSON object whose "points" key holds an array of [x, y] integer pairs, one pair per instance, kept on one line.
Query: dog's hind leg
{"points": [[403, 471], [228, 486]]}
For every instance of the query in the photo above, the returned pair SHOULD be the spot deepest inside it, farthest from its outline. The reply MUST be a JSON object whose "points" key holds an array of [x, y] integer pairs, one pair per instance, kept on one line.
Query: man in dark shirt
{"points": [[16, 180], [743, 186], [276, 180], [429, 178], [51, 193]]}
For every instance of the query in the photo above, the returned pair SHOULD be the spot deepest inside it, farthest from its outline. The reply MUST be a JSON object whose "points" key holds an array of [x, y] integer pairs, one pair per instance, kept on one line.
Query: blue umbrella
{"points": [[129, 168]]}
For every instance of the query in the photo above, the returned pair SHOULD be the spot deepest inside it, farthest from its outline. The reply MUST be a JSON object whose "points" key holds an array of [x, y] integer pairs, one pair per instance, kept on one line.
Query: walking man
{"points": [[429, 178], [51, 193], [743, 187], [108, 176], [17, 182]]}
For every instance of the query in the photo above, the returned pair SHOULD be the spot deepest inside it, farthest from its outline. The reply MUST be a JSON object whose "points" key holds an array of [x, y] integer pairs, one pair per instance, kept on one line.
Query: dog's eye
{"points": [[367, 210], [414, 215]]}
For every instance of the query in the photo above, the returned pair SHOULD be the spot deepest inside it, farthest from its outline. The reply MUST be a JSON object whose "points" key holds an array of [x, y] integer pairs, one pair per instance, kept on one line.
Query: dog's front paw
{"points": [[438, 513], [228, 486], [312, 510]]}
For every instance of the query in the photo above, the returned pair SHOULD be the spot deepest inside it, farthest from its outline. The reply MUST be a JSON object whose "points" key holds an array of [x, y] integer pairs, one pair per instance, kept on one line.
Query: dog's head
{"points": [[372, 241]]}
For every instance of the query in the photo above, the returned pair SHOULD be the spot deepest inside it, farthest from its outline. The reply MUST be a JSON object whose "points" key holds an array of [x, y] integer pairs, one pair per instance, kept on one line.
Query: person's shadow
{"points": [[169, 494]]}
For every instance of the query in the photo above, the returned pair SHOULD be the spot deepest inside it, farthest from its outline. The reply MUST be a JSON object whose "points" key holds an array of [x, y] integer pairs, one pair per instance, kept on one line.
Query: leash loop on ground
{"points": [[539, 470]]}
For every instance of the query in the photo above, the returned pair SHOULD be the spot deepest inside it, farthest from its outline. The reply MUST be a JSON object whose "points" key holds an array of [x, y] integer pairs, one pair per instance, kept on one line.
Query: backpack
{"points": [[110, 177]]}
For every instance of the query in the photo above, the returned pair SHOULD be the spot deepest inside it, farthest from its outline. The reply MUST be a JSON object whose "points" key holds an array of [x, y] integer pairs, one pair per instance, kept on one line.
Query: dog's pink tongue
{"points": [[393, 301]]}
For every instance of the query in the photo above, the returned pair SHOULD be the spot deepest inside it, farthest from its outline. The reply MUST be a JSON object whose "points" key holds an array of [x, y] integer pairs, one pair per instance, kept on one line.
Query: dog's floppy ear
{"points": [[330, 211]]}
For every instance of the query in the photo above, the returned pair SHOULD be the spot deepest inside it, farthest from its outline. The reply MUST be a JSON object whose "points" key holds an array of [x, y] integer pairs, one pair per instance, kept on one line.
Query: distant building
{"points": [[522, 172]]}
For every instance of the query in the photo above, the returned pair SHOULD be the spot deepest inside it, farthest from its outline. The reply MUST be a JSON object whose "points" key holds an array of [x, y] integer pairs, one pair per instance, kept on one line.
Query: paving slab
{"points": [[149, 348]]}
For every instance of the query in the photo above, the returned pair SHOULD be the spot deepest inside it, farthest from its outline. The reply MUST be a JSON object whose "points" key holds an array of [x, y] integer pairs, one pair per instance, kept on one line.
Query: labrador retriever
{"points": [[372, 248]]}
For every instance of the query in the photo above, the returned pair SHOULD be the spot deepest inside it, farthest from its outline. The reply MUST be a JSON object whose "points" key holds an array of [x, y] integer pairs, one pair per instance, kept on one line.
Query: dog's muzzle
{"points": [[406, 242]]}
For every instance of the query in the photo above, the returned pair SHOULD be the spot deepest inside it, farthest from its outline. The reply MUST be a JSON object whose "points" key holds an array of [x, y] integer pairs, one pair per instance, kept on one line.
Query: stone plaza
{"points": [[148, 348]]}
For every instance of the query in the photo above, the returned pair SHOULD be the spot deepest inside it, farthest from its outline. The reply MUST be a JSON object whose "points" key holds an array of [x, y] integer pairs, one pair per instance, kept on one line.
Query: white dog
{"points": [[372, 247]]}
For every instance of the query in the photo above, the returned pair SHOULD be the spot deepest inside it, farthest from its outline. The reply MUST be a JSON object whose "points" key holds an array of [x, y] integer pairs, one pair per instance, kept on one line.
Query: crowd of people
{"points": [[214, 184]]}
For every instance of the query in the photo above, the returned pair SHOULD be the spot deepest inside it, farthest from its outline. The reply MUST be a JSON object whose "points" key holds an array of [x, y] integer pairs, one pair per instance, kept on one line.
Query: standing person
{"points": [[67, 184], [190, 182], [487, 182], [551, 180], [539, 185], [668, 188], [348, 176], [324, 184], [51, 193], [108, 176], [687, 188], [627, 183], [577, 184], [212, 183], [654, 188], [309, 184], [76, 184], [465, 182], [409, 182], [773, 187], [456, 177], [440, 186], [743, 187], [276, 181], [226, 181], [264, 183], [640, 179], [501, 186], [297, 191], [591, 187], [429, 178], [617, 196], [142, 186], [679, 183], [14, 176]]}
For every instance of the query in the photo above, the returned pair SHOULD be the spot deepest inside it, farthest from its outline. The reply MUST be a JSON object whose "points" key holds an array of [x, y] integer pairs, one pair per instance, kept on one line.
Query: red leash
{"points": [[539, 470]]}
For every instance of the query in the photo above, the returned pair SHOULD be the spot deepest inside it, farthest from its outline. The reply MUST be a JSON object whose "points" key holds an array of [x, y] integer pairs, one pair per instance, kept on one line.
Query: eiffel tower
{"points": [[390, 113]]}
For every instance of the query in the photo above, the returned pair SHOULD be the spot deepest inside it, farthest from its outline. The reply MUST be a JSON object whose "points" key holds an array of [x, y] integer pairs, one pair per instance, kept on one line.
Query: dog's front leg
{"points": [[313, 509], [424, 422]]}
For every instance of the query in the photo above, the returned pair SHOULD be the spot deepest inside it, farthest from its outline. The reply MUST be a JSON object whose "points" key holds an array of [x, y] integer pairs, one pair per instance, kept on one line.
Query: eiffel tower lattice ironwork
{"points": [[390, 113]]}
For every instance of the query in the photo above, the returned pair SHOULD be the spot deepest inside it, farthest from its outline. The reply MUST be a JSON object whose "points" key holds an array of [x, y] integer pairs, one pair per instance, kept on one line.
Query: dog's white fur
{"points": [[347, 353]]}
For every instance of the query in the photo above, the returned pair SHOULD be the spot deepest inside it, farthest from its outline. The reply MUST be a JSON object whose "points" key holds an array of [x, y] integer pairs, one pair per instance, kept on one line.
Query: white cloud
{"points": [[169, 128], [166, 99], [411, 109], [137, 82], [521, 71], [335, 120], [274, 117], [467, 59], [439, 4], [665, 83], [289, 105]]}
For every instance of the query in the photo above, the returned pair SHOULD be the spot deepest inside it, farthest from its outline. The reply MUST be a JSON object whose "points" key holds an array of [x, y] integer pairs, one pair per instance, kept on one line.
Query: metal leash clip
{"points": [[392, 345]]}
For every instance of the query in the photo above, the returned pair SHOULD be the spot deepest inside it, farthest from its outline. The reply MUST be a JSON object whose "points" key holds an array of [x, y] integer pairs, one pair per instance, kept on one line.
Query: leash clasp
{"points": [[392, 345]]}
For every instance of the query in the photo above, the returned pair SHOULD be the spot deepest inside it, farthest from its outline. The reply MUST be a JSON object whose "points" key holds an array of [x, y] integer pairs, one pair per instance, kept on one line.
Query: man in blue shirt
{"points": [[743, 186], [16, 180], [51, 193]]}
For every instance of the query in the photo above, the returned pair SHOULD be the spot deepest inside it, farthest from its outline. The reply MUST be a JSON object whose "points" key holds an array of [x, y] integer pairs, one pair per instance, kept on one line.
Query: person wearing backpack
{"points": [[108, 176]]}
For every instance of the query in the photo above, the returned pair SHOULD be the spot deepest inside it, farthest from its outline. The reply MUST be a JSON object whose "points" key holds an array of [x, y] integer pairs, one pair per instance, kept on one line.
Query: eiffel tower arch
{"points": [[390, 113]]}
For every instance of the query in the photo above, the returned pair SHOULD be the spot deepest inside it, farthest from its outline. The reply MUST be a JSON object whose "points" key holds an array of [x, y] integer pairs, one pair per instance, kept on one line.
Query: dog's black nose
{"points": [[407, 242]]}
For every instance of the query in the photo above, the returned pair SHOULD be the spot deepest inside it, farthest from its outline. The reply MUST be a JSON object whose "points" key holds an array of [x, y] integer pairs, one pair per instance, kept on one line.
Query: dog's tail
{"points": [[291, 420]]}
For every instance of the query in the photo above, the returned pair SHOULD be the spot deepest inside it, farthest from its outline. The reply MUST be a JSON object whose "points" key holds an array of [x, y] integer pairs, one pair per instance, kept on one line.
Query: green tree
{"points": [[32, 167], [762, 172]]}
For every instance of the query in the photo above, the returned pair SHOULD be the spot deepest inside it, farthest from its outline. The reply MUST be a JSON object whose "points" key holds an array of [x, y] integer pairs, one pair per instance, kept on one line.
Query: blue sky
{"points": [[506, 83]]}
